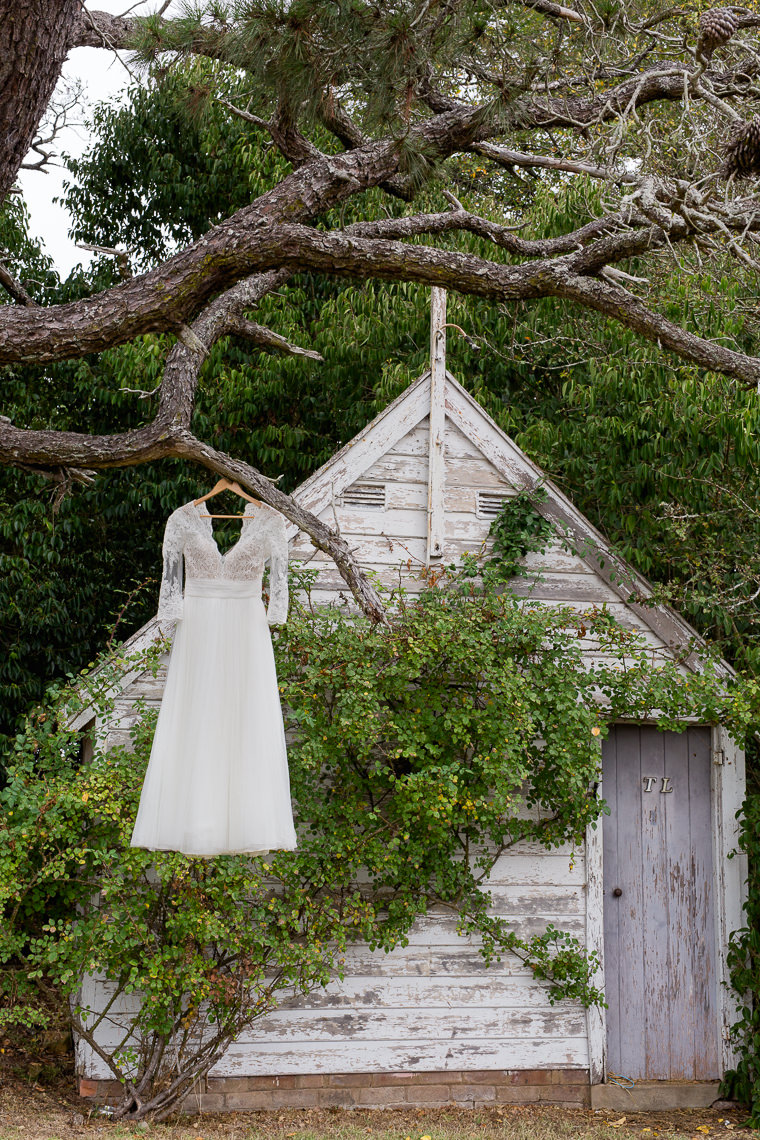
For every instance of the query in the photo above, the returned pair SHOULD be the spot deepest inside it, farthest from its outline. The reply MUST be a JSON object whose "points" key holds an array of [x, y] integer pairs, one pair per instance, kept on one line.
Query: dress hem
{"points": [[213, 854]]}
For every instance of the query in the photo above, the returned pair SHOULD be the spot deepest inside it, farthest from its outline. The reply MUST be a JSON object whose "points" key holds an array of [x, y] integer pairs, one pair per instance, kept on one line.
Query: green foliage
{"points": [[518, 530], [208, 945], [297, 55], [743, 1083], [192, 170], [424, 749]]}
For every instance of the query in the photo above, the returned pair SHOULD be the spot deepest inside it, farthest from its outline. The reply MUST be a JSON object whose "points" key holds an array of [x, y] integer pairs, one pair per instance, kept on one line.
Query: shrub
{"points": [[422, 749]]}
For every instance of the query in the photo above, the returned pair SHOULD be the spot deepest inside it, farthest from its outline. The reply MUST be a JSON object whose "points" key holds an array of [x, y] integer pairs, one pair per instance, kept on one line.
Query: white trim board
{"points": [[596, 1016]]}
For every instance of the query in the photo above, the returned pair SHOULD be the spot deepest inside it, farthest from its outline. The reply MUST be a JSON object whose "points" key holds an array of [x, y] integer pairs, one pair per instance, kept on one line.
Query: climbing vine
{"points": [[743, 1083], [518, 530]]}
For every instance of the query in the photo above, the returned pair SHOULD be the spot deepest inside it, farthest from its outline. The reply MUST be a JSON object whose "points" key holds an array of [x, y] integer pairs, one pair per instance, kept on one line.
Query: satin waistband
{"points": [[221, 588]]}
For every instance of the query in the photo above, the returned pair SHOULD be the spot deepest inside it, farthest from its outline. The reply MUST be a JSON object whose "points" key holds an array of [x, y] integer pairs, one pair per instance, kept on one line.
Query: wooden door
{"points": [[659, 918]]}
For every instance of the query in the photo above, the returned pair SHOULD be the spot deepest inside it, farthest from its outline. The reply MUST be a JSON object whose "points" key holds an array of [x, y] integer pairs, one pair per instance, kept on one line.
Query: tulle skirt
{"points": [[217, 782]]}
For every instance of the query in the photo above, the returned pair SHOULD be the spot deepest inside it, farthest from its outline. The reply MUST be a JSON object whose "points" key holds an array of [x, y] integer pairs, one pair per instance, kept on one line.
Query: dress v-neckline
{"points": [[245, 517]]}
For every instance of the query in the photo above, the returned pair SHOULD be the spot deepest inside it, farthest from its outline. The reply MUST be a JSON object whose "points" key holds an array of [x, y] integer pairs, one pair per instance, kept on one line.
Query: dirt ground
{"points": [[32, 1112], [38, 1102]]}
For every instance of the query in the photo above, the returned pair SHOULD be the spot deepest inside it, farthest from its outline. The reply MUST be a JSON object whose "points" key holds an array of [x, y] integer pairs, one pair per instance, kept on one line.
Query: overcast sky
{"points": [[104, 75]]}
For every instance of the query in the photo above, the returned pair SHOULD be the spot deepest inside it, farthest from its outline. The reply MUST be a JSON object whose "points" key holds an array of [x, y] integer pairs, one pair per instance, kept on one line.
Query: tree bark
{"points": [[35, 37]]}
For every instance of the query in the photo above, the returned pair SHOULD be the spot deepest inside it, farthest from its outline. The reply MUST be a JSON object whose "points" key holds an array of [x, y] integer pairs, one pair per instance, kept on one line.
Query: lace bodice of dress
{"points": [[189, 536]]}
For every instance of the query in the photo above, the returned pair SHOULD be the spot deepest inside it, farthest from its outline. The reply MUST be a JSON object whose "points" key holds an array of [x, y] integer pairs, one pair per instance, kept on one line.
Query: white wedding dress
{"points": [[217, 782]]}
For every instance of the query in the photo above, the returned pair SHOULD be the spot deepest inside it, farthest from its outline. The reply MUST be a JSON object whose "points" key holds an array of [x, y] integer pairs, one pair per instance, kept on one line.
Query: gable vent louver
{"points": [[365, 495], [490, 503]]}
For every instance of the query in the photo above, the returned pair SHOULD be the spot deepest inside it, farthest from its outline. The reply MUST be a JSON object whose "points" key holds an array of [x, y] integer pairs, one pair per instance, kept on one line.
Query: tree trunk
{"points": [[35, 37]]}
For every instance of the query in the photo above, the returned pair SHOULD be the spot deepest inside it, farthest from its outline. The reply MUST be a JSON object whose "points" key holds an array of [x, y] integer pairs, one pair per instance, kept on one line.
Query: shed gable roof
{"points": [[359, 455]]}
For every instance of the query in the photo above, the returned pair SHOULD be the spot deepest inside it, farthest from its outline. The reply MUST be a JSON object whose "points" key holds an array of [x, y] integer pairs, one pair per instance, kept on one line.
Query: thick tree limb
{"points": [[655, 83], [164, 298], [618, 303], [295, 247], [321, 535], [160, 440], [102, 30], [186, 358], [168, 296], [501, 236]]}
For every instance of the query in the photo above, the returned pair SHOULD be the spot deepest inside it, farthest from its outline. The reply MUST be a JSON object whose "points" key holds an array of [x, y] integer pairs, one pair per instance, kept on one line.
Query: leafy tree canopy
{"points": [[374, 116]]}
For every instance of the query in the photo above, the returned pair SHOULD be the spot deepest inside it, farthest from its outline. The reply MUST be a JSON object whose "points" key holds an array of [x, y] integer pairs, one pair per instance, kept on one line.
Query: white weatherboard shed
{"points": [[654, 893]]}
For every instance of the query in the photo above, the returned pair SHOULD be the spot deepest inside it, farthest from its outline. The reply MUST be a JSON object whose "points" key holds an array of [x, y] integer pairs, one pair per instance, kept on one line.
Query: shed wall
{"points": [[429, 1006]]}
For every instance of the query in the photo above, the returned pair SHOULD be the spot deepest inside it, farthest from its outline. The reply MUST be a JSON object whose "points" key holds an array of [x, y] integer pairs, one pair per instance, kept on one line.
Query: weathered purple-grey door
{"points": [[659, 919]]}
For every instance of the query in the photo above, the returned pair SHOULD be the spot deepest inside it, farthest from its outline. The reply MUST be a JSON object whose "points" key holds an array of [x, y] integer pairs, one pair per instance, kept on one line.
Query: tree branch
{"points": [[657, 82], [14, 288], [163, 299], [267, 338], [321, 535], [509, 158], [553, 11], [622, 306], [103, 30], [161, 441], [160, 299], [121, 256], [168, 296], [293, 145], [501, 236], [169, 435], [339, 122]]}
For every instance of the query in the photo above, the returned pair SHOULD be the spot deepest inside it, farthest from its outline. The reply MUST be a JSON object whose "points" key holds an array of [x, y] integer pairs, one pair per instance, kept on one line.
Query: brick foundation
{"points": [[377, 1090]]}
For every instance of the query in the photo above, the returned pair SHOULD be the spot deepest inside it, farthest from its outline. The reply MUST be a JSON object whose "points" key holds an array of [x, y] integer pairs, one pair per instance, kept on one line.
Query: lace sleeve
{"points": [[277, 611], [170, 598]]}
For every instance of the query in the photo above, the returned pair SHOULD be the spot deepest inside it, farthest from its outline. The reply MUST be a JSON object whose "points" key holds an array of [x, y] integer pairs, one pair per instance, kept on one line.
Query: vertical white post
{"points": [[596, 1017], [437, 441], [729, 875]]}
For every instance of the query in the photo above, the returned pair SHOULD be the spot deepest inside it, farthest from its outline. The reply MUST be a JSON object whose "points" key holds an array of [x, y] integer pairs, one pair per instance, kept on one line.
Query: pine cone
{"points": [[741, 154], [716, 27]]}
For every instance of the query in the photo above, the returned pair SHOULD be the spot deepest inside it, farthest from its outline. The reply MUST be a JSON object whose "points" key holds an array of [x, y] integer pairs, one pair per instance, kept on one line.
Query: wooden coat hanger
{"points": [[225, 485]]}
